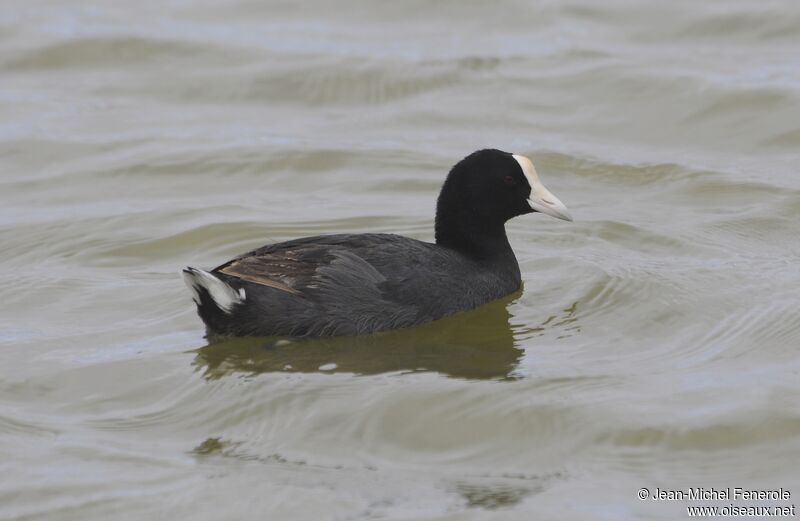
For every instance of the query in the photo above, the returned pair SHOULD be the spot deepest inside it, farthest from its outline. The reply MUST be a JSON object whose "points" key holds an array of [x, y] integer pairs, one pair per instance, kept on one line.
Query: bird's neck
{"points": [[475, 238]]}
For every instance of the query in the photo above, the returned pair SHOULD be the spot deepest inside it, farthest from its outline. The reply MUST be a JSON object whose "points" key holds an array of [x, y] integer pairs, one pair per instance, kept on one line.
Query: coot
{"points": [[353, 284]]}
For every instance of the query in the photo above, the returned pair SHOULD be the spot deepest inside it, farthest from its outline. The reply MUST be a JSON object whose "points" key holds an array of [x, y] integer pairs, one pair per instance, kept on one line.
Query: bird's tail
{"points": [[209, 290]]}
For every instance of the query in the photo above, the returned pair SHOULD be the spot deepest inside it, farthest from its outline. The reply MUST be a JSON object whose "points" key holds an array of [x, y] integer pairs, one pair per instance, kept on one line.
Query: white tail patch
{"points": [[224, 296]]}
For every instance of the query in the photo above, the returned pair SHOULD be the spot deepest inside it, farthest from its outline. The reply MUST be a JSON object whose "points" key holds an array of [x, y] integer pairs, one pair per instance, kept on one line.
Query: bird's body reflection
{"points": [[477, 344]]}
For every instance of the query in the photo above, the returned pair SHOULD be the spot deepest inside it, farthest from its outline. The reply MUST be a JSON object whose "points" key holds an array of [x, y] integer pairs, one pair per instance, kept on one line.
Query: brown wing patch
{"points": [[260, 270]]}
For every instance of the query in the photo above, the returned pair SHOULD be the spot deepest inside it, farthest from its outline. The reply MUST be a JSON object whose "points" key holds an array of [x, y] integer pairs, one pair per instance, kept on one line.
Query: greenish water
{"points": [[655, 343]]}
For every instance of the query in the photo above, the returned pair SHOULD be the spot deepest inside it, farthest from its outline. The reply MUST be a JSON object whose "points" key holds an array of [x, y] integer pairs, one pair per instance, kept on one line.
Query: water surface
{"points": [[654, 345]]}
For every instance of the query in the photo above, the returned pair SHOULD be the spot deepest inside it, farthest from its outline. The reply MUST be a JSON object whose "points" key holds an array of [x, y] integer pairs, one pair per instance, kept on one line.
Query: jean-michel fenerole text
{"points": [[720, 494]]}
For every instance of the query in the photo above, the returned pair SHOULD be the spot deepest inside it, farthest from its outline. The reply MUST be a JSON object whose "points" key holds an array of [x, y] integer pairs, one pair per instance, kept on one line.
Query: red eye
{"points": [[509, 181]]}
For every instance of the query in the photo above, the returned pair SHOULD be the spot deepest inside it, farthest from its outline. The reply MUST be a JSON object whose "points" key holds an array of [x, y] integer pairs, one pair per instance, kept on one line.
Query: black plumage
{"points": [[351, 284]]}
